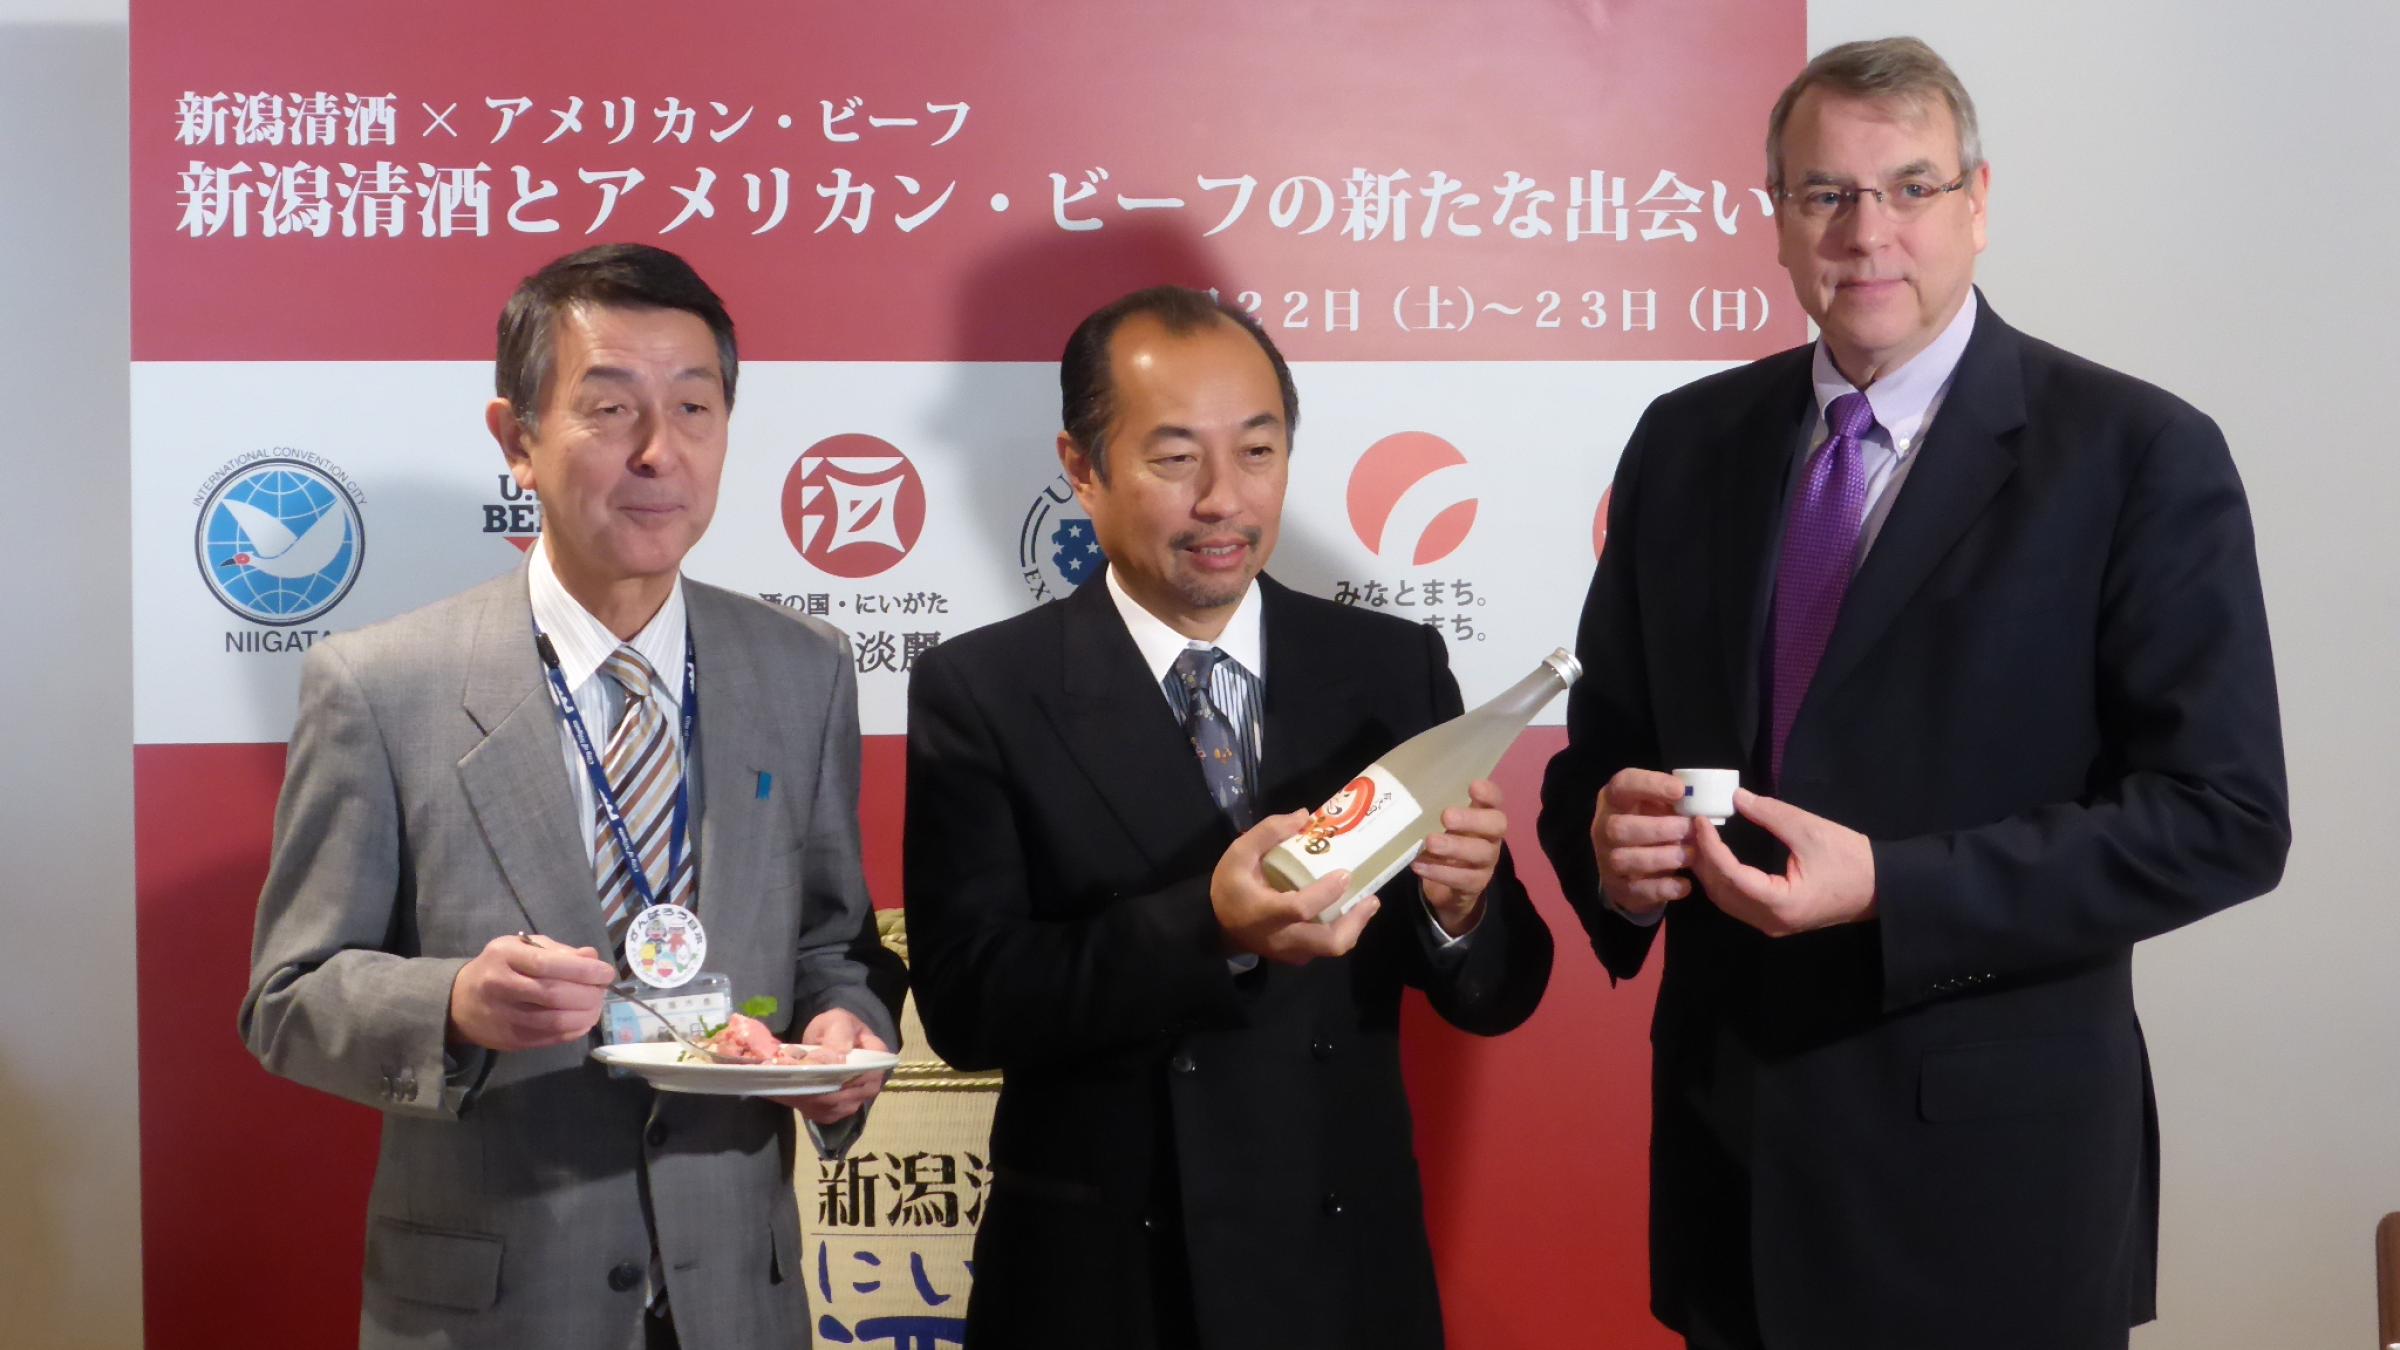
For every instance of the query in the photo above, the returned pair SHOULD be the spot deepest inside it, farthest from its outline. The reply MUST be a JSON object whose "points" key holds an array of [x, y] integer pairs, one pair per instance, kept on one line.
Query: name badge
{"points": [[665, 946], [696, 1008]]}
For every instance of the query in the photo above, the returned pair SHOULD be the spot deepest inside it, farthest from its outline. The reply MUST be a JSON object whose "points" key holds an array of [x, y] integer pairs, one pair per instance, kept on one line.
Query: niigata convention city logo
{"points": [[853, 505], [280, 539], [1419, 471]]}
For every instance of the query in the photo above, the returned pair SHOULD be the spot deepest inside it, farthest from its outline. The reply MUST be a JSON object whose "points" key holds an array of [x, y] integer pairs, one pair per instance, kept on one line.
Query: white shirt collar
{"points": [[1244, 638], [583, 642], [1904, 399]]}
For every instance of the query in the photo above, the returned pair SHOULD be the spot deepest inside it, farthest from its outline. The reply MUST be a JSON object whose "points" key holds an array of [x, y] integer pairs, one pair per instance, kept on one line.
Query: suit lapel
{"points": [[1749, 468], [1961, 465], [736, 741], [515, 780], [1305, 719], [1116, 723]]}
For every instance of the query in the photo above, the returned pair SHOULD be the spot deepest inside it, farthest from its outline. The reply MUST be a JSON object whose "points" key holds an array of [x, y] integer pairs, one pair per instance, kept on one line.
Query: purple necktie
{"points": [[1820, 542]]}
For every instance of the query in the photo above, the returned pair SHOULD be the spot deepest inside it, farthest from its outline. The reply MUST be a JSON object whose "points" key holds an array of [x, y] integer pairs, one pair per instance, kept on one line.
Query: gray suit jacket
{"points": [[426, 810]]}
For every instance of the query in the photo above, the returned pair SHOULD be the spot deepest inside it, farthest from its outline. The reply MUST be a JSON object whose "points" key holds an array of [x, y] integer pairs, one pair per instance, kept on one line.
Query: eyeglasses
{"points": [[1903, 201]]}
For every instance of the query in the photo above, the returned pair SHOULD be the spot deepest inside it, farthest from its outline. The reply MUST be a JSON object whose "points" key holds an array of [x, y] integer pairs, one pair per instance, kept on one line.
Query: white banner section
{"points": [[275, 503]]}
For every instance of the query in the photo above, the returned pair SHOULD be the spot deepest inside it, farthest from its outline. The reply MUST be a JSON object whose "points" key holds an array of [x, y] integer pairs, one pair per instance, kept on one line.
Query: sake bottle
{"points": [[1379, 822]]}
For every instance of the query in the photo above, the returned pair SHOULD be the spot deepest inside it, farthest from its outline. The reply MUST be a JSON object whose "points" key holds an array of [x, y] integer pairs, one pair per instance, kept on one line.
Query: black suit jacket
{"points": [[1059, 846], [2049, 702]]}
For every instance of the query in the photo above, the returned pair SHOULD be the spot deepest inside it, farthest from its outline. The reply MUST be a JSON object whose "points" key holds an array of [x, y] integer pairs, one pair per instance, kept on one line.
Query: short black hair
{"points": [[628, 276], [1087, 402]]}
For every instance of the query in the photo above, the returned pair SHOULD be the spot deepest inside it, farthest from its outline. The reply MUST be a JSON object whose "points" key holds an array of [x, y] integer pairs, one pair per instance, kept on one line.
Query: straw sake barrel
{"points": [[887, 1230]]}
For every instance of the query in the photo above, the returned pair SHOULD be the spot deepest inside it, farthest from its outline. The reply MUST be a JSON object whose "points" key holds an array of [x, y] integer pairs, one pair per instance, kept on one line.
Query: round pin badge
{"points": [[665, 945]]}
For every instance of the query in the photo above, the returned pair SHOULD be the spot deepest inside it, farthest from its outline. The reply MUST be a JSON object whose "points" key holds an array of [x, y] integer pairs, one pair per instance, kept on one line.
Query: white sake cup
{"points": [[1708, 792]]}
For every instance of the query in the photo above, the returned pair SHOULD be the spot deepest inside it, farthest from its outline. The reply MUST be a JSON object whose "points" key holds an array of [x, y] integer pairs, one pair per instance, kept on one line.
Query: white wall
{"points": [[70, 1243], [2201, 193], [2187, 191]]}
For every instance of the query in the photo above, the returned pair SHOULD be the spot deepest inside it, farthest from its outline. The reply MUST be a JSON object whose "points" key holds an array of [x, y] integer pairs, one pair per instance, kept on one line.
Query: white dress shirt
{"points": [[583, 643], [1905, 401]]}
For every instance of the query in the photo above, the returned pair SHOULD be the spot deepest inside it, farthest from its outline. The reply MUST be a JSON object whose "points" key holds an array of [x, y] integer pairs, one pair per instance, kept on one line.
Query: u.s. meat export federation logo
{"points": [[1057, 548], [280, 539]]}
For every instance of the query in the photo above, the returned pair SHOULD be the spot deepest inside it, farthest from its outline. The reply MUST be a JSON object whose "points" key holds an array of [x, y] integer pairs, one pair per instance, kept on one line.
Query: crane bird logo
{"points": [[280, 542]]}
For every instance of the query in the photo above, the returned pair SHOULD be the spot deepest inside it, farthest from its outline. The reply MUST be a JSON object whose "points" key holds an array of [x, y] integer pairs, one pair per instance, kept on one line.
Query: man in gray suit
{"points": [[436, 808]]}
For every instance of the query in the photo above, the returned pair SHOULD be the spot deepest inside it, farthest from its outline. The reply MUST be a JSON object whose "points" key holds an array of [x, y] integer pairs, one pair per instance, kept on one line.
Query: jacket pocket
{"points": [[2013, 1078], [439, 1266]]}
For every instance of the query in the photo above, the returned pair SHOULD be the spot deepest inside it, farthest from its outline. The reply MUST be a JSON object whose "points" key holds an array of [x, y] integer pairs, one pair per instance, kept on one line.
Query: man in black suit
{"points": [[1984, 619], [1194, 1146]]}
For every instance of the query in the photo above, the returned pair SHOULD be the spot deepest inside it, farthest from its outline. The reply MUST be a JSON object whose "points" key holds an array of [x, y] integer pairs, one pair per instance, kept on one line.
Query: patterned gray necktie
{"points": [[1216, 742]]}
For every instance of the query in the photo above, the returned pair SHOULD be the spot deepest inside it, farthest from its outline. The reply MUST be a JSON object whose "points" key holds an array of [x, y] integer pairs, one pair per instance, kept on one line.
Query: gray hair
{"points": [[630, 276], [1885, 70]]}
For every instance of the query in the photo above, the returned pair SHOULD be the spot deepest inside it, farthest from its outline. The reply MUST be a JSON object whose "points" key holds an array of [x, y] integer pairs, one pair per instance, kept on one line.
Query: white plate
{"points": [[661, 1062]]}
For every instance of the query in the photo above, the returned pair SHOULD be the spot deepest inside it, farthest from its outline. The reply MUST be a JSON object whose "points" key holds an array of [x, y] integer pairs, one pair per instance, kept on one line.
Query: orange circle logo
{"points": [[1394, 468], [1341, 815]]}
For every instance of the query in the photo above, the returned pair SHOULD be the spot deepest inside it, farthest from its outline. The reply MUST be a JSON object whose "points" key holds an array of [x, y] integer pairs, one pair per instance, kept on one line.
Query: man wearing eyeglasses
{"points": [[1980, 624]]}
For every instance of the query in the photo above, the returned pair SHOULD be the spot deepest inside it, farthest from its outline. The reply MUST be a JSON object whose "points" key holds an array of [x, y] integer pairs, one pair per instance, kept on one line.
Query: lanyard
{"points": [[607, 796]]}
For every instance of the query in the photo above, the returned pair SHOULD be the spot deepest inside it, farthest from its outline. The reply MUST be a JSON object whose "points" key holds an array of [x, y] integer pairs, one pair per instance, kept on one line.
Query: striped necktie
{"points": [[645, 770]]}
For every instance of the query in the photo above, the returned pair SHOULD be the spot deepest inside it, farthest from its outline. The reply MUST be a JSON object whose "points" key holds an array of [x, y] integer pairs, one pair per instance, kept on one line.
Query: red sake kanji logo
{"points": [[853, 505]]}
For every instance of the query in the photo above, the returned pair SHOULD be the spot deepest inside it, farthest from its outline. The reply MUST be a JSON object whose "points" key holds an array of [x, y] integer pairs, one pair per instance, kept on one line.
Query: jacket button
{"points": [[1183, 1062], [656, 1135], [1332, 1204], [1321, 1049], [624, 1276]]}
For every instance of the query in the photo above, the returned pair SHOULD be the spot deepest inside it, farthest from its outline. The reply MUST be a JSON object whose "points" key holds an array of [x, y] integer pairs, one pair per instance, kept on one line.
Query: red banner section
{"points": [[937, 181], [254, 1189], [962, 179]]}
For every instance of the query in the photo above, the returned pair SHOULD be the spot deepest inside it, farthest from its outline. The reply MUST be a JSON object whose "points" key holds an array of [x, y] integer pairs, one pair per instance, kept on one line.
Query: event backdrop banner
{"points": [[1486, 234]]}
